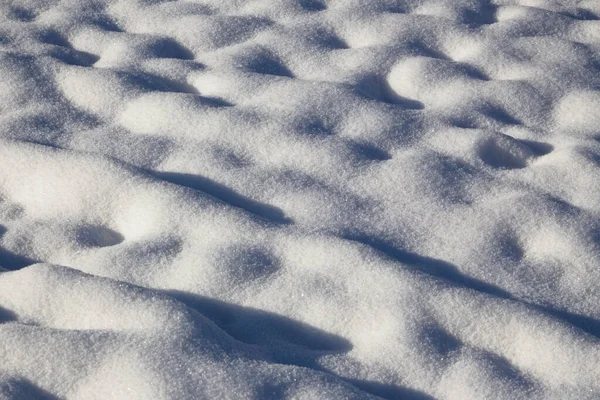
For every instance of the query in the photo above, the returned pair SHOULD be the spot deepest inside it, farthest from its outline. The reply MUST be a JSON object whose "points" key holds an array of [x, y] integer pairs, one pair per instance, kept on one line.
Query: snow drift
{"points": [[304, 199]]}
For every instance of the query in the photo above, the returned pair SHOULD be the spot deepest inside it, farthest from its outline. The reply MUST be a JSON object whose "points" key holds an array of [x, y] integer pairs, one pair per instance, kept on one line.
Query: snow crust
{"points": [[299, 199]]}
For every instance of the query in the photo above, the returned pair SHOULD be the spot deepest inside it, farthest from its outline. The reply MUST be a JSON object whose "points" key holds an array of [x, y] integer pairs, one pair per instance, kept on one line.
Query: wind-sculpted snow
{"points": [[303, 199]]}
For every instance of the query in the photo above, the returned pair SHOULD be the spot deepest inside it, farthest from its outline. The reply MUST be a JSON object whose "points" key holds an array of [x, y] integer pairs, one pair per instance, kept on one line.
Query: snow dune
{"points": [[299, 199]]}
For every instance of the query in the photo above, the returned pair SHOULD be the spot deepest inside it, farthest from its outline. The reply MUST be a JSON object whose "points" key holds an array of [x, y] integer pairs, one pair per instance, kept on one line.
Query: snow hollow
{"points": [[299, 199]]}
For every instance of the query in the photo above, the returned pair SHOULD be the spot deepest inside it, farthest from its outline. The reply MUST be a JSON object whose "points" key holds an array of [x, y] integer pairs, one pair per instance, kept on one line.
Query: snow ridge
{"points": [[303, 199]]}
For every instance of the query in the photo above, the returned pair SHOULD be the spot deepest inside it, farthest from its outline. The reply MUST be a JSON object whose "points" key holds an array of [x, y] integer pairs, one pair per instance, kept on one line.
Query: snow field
{"points": [[299, 199]]}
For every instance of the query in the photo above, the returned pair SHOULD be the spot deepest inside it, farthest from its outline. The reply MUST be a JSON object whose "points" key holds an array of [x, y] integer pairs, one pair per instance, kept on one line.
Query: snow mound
{"points": [[299, 199]]}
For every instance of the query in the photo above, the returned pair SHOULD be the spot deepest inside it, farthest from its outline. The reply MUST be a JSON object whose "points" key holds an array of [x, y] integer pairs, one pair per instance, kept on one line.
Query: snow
{"points": [[299, 199]]}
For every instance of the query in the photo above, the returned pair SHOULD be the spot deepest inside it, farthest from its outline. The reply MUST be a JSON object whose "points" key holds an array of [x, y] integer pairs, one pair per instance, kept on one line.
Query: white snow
{"points": [[299, 199]]}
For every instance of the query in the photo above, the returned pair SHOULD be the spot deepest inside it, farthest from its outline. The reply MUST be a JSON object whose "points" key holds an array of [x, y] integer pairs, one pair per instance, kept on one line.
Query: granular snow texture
{"points": [[299, 199]]}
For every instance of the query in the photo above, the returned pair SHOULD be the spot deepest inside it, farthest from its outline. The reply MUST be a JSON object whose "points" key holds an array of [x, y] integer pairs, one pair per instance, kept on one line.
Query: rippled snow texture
{"points": [[299, 199]]}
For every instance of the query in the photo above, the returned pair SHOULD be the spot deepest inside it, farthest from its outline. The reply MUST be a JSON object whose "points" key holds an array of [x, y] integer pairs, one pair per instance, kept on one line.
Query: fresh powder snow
{"points": [[299, 199]]}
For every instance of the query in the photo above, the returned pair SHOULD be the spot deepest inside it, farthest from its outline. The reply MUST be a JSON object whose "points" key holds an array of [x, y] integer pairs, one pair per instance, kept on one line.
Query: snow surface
{"points": [[303, 199]]}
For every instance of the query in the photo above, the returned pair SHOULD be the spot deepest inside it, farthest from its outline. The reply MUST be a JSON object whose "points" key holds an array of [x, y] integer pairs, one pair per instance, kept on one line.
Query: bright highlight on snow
{"points": [[299, 199]]}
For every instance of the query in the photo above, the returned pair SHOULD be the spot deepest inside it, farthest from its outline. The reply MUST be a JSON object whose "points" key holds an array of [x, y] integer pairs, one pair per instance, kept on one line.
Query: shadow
{"points": [[107, 24], [312, 5], [418, 48], [285, 341], [370, 152], [13, 261], [268, 64], [7, 316], [169, 48], [510, 248], [74, 57], [587, 324], [430, 266], [23, 389], [463, 122], [439, 339], [214, 101], [472, 72], [277, 334], [65, 52], [500, 115], [582, 15], [151, 82], [391, 97], [313, 126], [40, 143], [21, 14], [501, 368], [596, 66], [397, 9], [538, 148], [330, 40], [327, 39], [448, 272], [591, 156], [271, 391], [224, 194], [389, 391], [98, 236], [485, 14], [243, 264], [376, 88], [51, 36], [496, 155]]}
